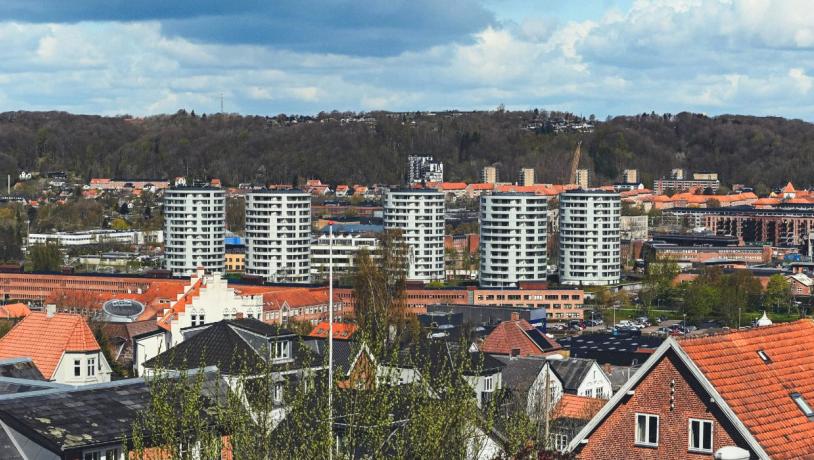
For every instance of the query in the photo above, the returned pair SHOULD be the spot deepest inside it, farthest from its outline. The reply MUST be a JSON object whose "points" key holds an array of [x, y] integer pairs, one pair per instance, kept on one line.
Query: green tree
{"points": [[700, 300], [45, 257], [119, 224], [778, 293], [378, 289]]}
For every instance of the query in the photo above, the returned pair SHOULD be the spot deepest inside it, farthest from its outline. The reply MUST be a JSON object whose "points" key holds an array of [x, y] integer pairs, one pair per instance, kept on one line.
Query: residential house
{"points": [[526, 380], [582, 377], [517, 337], [61, 345], [800, 283], [569, 416], [47, 421], [481, 371], [748, 393]]}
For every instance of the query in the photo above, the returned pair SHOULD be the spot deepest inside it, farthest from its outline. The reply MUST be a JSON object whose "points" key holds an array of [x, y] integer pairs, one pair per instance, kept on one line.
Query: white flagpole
{"points": [[330, 331]]}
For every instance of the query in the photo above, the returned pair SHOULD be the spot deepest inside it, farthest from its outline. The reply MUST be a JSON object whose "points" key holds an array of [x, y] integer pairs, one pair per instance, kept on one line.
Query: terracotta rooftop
{"points": [[44, 339], [180, 305], [577, 407], [789, 188], [14, 310], [342, 331], [295, 298], [759, 392], [518, 335]]}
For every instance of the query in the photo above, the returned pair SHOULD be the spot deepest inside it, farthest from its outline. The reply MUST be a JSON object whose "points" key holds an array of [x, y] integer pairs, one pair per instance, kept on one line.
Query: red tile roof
{"points": [[342, 331], [759, 392], [789, 188], [517, 335], [577, 407], [180, 305], [295, 298], [44, 339], [14, 310]]}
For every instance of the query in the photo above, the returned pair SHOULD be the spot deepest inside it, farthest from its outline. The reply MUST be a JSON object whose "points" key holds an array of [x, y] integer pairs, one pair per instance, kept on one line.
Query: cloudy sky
{"points": [[303, 56]]}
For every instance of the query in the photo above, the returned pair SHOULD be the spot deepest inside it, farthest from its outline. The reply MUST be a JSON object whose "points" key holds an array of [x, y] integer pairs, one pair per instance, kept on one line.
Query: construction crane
{"points": [[575, 163]]}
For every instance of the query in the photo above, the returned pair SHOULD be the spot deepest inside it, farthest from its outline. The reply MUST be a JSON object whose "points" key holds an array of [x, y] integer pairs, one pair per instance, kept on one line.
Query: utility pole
{"points": [[330, 334], [221, 102]]}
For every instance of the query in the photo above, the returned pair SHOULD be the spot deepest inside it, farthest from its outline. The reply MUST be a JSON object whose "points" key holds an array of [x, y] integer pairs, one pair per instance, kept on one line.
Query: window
{"points": [[91, 367], [803, 405], [647, 430], [700, 435], [488, 384], [77, 367], [280, 350], [559, 441], [764, 356], [278, 393]]}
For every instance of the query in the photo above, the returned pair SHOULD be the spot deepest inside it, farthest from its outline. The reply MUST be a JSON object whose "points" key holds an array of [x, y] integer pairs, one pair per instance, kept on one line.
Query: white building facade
{"points": [[589, 237], [424, 168], [345, 248], [513, 234], [419, 216], [278, 235], [194, 221]]}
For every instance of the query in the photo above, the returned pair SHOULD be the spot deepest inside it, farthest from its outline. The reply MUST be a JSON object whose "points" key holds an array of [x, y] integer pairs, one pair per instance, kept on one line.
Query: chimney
{"points": [[239, 315], [515, 316], [50, 310]]}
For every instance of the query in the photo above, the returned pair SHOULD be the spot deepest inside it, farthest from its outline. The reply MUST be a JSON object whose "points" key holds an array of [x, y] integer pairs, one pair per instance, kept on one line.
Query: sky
{"points": [[601, 57]]}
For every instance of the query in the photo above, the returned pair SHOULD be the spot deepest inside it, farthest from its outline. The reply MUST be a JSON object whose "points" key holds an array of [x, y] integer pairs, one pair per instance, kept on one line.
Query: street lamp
{"points": [[685, 322]]}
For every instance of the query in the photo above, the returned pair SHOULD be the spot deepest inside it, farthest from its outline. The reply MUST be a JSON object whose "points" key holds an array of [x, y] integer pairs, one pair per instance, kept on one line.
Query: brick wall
{"points": [[614, 438]]}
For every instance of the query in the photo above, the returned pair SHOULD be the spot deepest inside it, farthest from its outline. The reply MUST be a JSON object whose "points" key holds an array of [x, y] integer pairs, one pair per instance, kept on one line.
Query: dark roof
{"points": [[519, 374], [229, 345], [618, 375], [620, 349], [63, 421], [571, 371], [7, 449], [259, 327], [438, 356], [69, 419], [20, 368], [218, 345]]}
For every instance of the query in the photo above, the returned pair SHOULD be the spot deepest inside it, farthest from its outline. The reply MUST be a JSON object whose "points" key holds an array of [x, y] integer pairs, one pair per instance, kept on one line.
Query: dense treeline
{"points": [[743, 149]]}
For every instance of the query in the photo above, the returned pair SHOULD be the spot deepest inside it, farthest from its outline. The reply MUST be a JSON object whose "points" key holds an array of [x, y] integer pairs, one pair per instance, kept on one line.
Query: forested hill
{"points": [[348, 148]]}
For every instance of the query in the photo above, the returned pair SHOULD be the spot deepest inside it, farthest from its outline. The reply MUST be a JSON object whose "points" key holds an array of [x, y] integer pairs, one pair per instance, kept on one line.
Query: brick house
{"points": [[749, 392]]}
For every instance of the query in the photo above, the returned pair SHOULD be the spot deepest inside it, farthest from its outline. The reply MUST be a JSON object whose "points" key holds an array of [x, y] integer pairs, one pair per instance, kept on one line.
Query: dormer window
{"points": [[803, 405], [281, 350], [764, 356]]}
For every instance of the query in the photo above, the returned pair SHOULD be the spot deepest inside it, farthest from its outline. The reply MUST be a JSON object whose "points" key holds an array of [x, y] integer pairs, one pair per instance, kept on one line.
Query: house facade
{"points": [[748, 392]]}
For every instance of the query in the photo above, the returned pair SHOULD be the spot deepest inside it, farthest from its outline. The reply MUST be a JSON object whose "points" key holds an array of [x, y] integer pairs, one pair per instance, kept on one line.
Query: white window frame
{"points": [[489, 384], [77, 367], [649, 417], [278, 392], [702, 423], [559, 441], [91, 366], [281, 350], [102, 454]]}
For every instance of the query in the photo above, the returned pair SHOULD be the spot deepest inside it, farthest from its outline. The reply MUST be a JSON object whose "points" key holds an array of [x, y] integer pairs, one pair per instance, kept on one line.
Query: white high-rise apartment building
{"points": [[424, 168], [194, 220], [589, 237], [342, 255], [419, 215], [513, 233], [278, 235]]}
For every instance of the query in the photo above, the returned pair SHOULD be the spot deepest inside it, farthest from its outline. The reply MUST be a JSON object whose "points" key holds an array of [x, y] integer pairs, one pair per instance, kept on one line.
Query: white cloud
{"points": [[716, 56]]}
